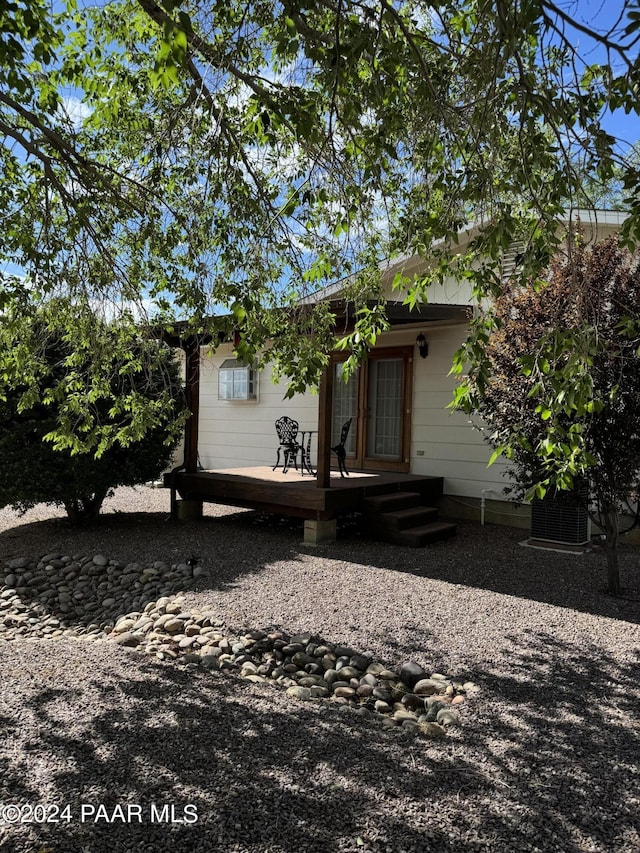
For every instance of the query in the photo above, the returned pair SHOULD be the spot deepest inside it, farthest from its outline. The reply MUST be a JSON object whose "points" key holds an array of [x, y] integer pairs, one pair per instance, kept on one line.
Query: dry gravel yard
{"points": [[546, 756]]}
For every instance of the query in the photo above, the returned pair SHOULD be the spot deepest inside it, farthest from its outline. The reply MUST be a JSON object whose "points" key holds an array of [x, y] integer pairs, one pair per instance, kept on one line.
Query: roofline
{"points": [[593, 216]]}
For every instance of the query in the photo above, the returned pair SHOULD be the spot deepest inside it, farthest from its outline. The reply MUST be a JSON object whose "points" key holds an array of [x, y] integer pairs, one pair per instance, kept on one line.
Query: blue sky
{"points": [[624, 127], [603, 16]]}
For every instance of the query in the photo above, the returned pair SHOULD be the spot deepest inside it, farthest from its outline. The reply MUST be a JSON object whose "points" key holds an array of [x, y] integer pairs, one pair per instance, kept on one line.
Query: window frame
{"points": [[238, 378]]}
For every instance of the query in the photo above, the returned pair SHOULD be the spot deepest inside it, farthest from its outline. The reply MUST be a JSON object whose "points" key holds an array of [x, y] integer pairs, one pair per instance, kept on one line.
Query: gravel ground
{"points": [[546, 758]]}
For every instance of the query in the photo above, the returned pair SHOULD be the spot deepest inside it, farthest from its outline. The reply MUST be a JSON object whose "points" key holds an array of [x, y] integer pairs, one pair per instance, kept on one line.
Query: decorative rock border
{"points": [[39, 597]]}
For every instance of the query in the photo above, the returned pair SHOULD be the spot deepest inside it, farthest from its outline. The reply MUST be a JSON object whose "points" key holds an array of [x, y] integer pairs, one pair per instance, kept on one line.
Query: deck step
{"points": [[401, 519], [391, 502], [425, 534]]}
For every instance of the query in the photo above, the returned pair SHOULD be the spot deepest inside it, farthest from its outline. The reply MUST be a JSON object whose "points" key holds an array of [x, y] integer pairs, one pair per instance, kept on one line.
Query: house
{"points": [[401, 433]]}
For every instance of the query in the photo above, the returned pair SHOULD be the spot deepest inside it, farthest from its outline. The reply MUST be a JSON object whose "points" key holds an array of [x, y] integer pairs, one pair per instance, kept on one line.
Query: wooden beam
{"points": [[325, 408], [298, 498], [192, 391]]}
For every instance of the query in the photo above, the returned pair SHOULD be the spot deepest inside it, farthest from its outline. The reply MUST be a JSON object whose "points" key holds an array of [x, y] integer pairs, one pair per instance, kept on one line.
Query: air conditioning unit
{"points": [[562, 517]]}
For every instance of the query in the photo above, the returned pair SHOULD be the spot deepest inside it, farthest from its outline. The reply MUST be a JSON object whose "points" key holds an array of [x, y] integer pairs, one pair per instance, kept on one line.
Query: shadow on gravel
{"points": [[489, 557], [567, 743], [243, 543], [220, 546], [128, 537], [223, 548], [492, 558], [546, 760]]}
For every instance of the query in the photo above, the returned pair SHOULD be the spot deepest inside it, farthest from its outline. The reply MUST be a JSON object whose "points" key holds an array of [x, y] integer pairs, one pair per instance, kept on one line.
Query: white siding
{"points": [[595, 226], [241, 433], [449, 292], [237, 434]]}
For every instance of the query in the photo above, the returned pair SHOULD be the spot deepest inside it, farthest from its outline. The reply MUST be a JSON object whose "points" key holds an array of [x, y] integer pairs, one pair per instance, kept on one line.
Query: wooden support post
{"points": [[325, 408], [192, 392]]}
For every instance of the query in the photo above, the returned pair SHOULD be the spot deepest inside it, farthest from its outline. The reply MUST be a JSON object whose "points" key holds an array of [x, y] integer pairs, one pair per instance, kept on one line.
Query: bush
{"points": [[564, 382], [118, 450]]}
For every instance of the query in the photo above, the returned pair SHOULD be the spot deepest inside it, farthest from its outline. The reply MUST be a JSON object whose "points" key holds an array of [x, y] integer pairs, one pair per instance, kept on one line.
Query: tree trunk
{"points": [[74, 512], [85, 509], [610, 513]]}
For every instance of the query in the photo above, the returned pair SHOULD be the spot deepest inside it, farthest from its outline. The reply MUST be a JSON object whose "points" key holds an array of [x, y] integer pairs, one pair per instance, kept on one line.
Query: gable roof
{"points": [[414, 264]]}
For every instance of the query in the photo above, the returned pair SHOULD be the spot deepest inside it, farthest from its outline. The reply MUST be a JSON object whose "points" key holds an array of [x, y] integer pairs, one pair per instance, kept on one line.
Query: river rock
{"points": [[382, 693], [123, 625], [298, 692], [411, 701], [427, 687], [431, 729], [447, 717], [127, 639], [344, 692], [411, 673], [144, 607], [347, 672], [302, 639], [403, 714]]}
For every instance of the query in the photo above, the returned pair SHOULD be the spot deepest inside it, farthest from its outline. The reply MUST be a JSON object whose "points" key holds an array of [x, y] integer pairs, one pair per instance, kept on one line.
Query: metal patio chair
{"points": [[339, 450], [287, 430]]}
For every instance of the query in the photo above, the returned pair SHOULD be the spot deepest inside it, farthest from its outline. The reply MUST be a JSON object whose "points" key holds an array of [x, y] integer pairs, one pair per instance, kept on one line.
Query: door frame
{"points": [[361, 417]]}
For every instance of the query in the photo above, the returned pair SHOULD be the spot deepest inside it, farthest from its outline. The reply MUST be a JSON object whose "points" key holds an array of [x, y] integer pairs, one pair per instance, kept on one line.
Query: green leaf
{"points": [[497, 453]]}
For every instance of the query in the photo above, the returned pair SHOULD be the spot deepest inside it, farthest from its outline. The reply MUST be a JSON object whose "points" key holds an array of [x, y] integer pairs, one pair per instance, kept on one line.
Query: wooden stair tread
{"points": [[391, 501], [402, 518], [416, 537]]}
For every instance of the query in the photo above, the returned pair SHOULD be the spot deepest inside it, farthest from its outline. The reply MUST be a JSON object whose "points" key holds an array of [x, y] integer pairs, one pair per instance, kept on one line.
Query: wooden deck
{"points": [[294, 494]]}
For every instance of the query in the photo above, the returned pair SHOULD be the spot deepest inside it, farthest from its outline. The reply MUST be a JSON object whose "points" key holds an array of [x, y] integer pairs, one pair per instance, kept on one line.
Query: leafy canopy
{"points": [[169, 159]]}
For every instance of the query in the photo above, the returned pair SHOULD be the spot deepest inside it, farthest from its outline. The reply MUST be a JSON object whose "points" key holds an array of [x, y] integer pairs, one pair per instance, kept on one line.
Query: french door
{"points": [[378, 398]]}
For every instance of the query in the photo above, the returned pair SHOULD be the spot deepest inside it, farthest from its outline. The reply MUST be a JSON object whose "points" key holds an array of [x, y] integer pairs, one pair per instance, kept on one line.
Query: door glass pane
{"points": [[345, 406], [384, 431]]}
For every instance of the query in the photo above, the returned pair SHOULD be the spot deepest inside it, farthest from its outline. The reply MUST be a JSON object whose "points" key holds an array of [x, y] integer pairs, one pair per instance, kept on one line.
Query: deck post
{"points": [[192, 392], [318, 532], [189, 510], [325, 407]]}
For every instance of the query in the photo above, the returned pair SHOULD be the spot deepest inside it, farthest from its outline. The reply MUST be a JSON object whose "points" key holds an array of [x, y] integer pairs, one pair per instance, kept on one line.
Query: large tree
{"points": [[562, 400], [174, 158]]}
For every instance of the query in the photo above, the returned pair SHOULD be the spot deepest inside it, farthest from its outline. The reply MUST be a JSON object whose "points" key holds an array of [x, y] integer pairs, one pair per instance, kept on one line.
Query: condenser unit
{"points": [[562, 517]]}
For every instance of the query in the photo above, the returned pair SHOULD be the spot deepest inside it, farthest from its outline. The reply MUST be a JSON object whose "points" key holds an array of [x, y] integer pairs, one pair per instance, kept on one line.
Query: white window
{"points": [[237, 381]]}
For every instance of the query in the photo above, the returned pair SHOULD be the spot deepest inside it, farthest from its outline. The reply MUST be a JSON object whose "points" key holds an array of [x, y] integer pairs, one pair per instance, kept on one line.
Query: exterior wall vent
{"points": [[511, 260], [562, 517]]}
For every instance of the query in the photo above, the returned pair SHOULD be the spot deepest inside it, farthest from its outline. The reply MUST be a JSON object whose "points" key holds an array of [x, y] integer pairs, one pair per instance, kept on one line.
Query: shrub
{"points": [[117, 449]]}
